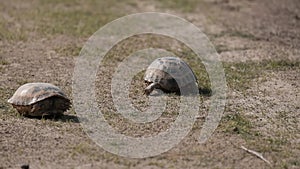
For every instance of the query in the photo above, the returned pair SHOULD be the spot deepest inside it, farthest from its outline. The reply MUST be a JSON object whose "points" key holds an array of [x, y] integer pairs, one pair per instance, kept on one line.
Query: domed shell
{"points": [[170, 71], [31, 93]]}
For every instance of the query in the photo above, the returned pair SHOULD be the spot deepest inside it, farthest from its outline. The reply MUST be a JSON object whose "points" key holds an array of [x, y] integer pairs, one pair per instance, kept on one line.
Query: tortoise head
{"points": [[150, 88]]}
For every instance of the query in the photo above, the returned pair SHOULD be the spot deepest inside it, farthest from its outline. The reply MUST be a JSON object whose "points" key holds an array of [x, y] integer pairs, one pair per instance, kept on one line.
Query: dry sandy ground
{"points": [[259, 43]]}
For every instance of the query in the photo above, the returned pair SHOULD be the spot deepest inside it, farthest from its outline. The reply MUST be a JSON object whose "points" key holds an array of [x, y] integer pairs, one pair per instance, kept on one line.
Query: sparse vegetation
{"points": [[236, 33], [69, 51], [3, 62], [240, 75], [10, 32], [237, 124], [185, 6]]}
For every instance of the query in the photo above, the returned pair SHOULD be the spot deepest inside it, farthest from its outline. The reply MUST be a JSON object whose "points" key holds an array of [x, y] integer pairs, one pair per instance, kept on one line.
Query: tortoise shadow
{"points": [[205, 91], [202, 91], [62, 118], [67, 118]]}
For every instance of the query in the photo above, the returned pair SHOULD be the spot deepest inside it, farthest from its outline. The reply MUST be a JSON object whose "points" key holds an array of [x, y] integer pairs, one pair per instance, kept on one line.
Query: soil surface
{"points": [[259, 45]]}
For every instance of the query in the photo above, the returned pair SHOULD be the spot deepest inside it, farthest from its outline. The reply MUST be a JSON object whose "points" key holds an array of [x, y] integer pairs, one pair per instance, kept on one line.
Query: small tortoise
{"points": [[169, 74], [40, 99]]}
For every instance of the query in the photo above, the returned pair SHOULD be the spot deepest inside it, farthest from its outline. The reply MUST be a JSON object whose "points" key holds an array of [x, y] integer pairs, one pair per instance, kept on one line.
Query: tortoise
{"points": [[169, 74], [40, 99]]}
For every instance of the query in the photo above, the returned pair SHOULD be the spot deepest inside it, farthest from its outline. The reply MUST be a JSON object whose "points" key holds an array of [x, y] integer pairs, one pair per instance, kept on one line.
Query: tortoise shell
{"points": [[38, 99], [168, 74]]}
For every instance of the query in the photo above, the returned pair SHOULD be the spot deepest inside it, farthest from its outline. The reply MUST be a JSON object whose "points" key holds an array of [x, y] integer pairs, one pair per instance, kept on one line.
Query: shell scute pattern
{"points": [[169, 74], [37, 99]]}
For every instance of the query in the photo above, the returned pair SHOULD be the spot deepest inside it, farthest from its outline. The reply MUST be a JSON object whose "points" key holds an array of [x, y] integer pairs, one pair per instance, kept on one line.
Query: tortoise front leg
{"points": [[150, 88]]}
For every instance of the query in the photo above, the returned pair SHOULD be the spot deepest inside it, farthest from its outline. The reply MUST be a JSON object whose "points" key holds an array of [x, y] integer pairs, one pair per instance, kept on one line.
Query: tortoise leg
{"points": [[150, 88]]}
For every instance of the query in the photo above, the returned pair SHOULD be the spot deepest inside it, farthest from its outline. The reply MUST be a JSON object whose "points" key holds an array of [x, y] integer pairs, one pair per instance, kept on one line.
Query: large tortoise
{"points": [[169, 74], [40, 99]]}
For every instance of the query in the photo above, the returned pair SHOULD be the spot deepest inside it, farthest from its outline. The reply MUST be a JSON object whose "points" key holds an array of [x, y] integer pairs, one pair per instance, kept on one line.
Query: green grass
{"points": [[237, 124], [270, 144], [44, 18], [240, 75], [156, 163], [234, 33], [241, 34], [184, 6], [3, 62], [11, 33], [241, 126], [81, 148], [69, 50], [76, 18], [281, 65]]}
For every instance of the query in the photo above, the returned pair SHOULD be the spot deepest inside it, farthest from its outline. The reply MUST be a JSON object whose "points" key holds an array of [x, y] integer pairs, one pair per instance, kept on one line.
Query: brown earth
{"points": [[259, 43]]}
